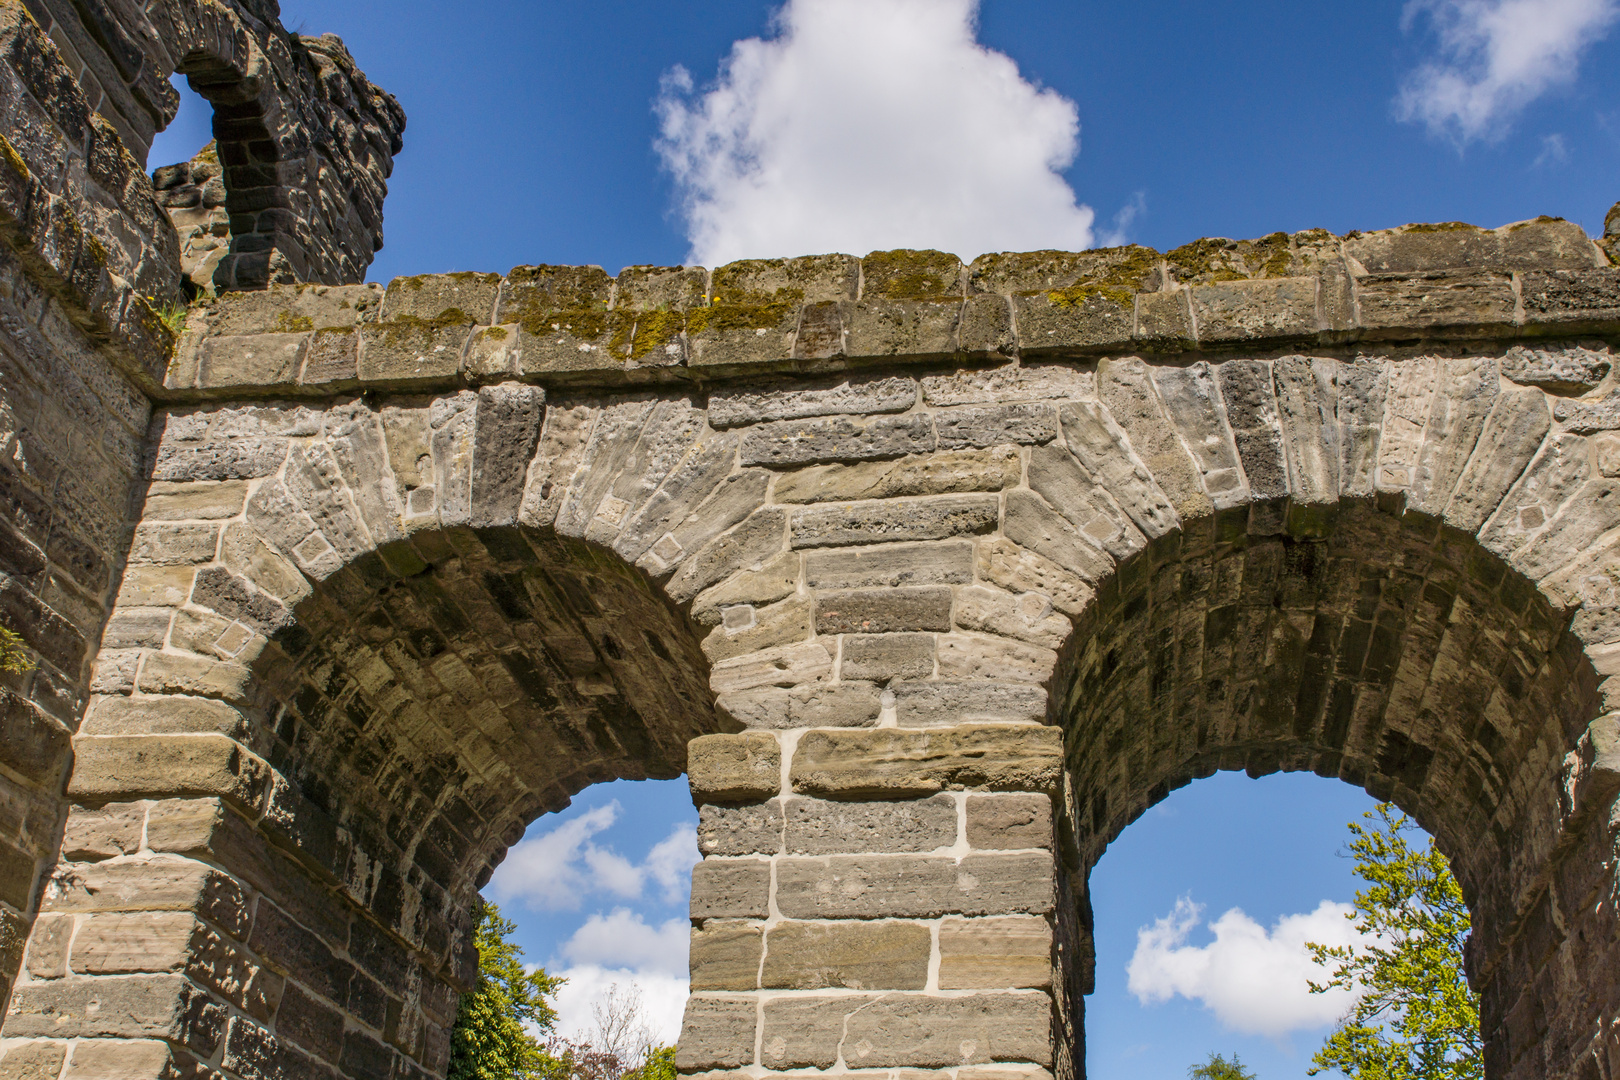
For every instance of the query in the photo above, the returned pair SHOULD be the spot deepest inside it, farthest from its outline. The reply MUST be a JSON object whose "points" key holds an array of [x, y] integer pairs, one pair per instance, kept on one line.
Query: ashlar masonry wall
{"points": [[926, 627]]}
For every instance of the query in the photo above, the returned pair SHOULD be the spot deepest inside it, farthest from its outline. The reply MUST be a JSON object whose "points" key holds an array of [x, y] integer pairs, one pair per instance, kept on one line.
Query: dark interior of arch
{"points": [[1393, 653], [433, 699]]}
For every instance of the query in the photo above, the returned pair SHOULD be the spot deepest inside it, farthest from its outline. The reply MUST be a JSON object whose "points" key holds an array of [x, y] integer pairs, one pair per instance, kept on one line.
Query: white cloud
{"points": [[1496, 57], [625, 940], [1253, 980], [663, 998], [557, 870], [871, 124]]}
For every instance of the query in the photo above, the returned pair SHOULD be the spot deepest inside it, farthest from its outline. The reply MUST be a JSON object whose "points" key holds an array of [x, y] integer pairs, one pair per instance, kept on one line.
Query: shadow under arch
{"points": [[1393, 652]]}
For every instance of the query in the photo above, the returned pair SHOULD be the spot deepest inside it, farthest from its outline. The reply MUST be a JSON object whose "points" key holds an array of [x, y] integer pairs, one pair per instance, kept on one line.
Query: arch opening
{"points": [[1394, 653]]}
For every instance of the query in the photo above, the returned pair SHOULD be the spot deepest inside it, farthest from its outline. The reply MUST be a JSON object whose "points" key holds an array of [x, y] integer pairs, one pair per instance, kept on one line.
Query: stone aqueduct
{"points": [[930, 577]]}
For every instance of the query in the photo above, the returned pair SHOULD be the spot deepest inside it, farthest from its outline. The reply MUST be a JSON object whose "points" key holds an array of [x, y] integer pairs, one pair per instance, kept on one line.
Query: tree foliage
{"points": [[1415, 1017], [14, 652], [489, 1040], [1218, 1068]]}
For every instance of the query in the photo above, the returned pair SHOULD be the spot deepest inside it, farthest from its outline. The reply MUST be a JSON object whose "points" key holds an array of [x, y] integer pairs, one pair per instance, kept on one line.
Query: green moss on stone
{"points": [[649, 332], [496, 333], [406, 328], [1117, 282], [13, 159], [735, 316], [1442, 226], [911, 275], [288, 323], [461, 277]]}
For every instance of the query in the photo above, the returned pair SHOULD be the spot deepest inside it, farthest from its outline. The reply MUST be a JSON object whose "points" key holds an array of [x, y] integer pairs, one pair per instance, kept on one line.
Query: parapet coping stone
{"points": [[576, 327]]}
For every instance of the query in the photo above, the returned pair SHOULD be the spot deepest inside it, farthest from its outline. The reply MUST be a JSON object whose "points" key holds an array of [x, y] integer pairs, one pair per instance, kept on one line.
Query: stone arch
{"points": [[929, 600]]}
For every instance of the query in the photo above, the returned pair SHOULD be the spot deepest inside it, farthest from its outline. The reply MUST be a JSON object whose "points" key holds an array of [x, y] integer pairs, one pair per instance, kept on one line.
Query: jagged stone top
{"points": [[1417, 285]]}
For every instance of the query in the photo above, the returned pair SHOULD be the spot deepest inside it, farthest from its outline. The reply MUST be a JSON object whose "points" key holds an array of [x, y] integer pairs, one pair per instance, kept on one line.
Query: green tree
{"points": [[14, 652], [489, 1040], [1415, 1017], [659, 1065], [1218, 1068]]}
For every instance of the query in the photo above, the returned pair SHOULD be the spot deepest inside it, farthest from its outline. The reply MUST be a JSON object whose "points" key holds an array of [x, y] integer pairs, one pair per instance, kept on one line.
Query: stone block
{"points": [[927, 1032], [163, 885], [804, 1032], [242, 458], [166, 543], [103, 832], [725, 956], [740, 830], [945, 702], [765, 584], [944, 473], [840, 438], [410, 351], [1075, 322], [986, 328], [290, 308], [1164, 320], [880, 611], [1026, 616], [127, 766], [890, 566], [734, 768], [121, 1007], [891, 763], [1008, 953], [798, 400], [843, 704], [122, 944], [1009, 821], [1558, 370], [195, 676], [787, 666], [156, 586], [716, 1033], [881, 657], [253, 360], [1573, 299], [882, 955], [433, 296], [1004, 563], [760, 537], [150, 1059], [731, 889], [333, 357], [1032, 524], [820, 827], [172, 714], [33, 1060], [1032, 423], [905, 329], [202, 501], [963, 656], [878, 522], [1271, 310], [994, 386], [1469, 302], [48, 947], [745, 628]]}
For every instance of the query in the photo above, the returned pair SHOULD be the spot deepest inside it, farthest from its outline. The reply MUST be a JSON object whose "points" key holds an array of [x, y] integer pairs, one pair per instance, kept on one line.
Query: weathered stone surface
{"points": [[977, 656], [892, 565], [1004, 563], [771, 582], [817, 827], [1048, 382], [716, 1033], [947, 701], [944, 473], [878, 522], [1279, 309], [786, 666], [913, 886], [1009, 821], [117, 767], [879, 611], [1569, 370], [745, 628], [1589, 417], [842, 704], [161, 1006], [725, 956], [895, 764], [1027, 617], [996, 425], [881, 657], [740, 830], [995, 954], [734, 768], [731, 889], [798, 442], [795, 401], [883, 955]]}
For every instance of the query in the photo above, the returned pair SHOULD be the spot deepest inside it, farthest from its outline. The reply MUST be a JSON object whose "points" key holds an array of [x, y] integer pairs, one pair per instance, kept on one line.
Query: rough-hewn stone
{"points": [[853, 764]]}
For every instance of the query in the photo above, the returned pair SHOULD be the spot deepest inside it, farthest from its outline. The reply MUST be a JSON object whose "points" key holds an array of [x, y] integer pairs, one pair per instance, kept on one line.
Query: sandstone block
{"points": [[120, 944], [48, 946], [771, 582], [797, 442], [1012, 952], [409, 350], [716, 1033], [999, 560], [195, 676], [760, 536], [1275, 309], [333, 356], [844, 704], [166, 885], [1462, 301], [948, 701], [1032, 524], [740, 830], [881, 657], [745, 628], [880, 611], [431, 296], [1059, 478], [947, 563], [129, 1007], [1567, 370], [804, 1032], [881, 521], [251, 360], [975, 657], [895, 763], [725, 956], [923, 1032], [796, 401], [1009, 821], [786, 666], [820, 827], [734, 768], [884, 955], [103, 832], [731, 889], [1575, 299], [913, 886], [1027, 617], [33, 1060], [172, 714], [1589, 417], [203, 501], [242, 458], [105, 1059], [1028, 382], [904, 329], [121, 767], [1030, 423]]}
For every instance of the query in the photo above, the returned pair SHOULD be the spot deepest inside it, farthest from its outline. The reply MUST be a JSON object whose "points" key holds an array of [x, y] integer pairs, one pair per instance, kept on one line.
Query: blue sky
{"points": [[627, 131]]}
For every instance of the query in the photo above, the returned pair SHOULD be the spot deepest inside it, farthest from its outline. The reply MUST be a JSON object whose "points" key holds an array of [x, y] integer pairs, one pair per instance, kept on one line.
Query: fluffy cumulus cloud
{"points": [[559, 869], [1254, 980], [1495, 57], [870, 124], [619, 951]]}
